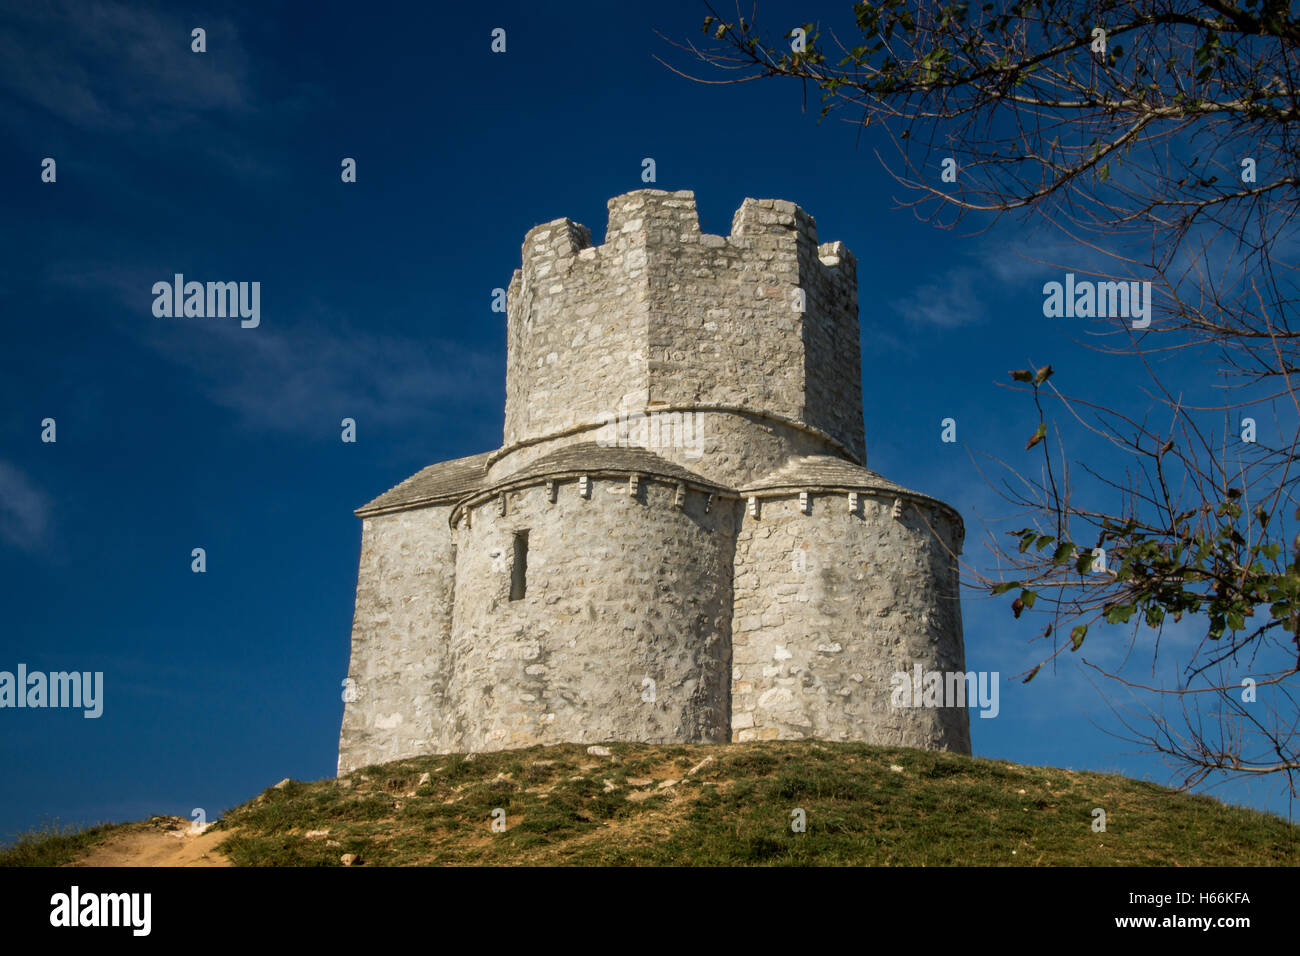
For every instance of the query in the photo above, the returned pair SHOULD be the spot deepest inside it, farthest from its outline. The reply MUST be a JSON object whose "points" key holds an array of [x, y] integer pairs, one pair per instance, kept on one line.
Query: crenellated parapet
{"points": [[662, 314]]}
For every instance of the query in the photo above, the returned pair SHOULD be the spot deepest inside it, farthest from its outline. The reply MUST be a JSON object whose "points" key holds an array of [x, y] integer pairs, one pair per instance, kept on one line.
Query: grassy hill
{"points": [[733, 805]]}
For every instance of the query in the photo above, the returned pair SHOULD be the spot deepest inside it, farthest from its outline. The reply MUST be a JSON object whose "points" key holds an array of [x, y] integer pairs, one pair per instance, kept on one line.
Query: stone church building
{"points": [[678, 539]]}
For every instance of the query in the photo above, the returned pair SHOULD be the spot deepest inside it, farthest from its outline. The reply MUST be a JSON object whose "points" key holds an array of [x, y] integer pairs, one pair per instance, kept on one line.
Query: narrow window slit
{"points": [[519, 569]]}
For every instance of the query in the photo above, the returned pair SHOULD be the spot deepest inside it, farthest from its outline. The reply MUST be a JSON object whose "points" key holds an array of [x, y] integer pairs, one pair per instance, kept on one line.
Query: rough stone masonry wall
{"points": [[576, 329], [662, 315], [728, 448], [828, 606], [618, 589], [831, 353], [725, 327], [400, 637]]}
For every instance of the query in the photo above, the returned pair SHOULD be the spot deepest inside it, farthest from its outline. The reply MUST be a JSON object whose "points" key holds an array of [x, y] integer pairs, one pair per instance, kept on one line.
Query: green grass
{"points": [[53, 845], [565, 806]]}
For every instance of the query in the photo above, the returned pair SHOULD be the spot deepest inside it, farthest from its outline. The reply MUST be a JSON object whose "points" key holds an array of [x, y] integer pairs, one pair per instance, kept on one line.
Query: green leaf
{"points": [[1077, 635], [1119, 613], [1029, 597], [1038, 436], [1005, 586], [1042, 375]]}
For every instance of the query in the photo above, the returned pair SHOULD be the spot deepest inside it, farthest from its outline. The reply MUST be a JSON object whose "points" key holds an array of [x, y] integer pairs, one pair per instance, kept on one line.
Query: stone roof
{"points": [[450, 481], [827, 471], [444, 482], [592, 458]]}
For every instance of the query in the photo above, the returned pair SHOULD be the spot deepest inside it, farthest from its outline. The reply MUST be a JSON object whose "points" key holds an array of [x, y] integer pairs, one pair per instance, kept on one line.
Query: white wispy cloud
{"points": [[998, 267], [298, 377], [296, 371], [948, 302], [115, 66], [24, 510]]}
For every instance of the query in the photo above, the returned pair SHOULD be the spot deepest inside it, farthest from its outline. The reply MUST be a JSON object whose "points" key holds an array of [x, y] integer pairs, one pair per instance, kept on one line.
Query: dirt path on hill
{"points": [[162, 841]]}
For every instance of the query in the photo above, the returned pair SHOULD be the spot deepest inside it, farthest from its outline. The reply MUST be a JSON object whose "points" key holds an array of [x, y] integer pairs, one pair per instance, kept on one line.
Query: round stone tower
{"points": [[593, 602], [843, 581], [678, 540]]}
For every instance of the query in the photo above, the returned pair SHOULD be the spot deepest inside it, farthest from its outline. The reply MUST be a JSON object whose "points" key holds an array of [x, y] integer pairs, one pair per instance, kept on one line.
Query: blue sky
{"points": [[177, 434]]}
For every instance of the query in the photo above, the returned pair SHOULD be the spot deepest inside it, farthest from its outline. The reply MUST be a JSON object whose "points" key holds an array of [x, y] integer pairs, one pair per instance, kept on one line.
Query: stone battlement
{"points": [[661, 313], [658, 217]]}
